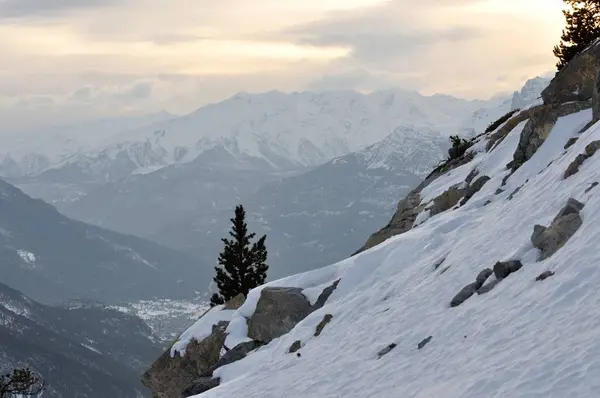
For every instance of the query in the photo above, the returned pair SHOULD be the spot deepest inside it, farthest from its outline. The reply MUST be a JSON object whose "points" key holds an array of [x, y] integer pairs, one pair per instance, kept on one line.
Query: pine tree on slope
{"points": [[583, 27], [242, 266]]}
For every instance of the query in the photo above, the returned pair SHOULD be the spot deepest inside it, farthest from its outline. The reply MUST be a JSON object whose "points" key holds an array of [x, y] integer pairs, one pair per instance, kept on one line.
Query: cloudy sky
{"points": [[68, 59]]}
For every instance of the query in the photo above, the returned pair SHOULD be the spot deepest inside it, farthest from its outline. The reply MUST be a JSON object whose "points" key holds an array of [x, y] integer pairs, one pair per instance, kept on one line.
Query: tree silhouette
{"points": [[583, 27], [242, 266], [21, 382]]}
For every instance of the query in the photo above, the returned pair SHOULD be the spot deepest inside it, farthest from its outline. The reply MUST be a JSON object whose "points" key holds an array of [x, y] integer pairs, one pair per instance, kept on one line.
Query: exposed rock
{"points": [[471, 176], [199, 386], [486, 288], [235, 302], [439, 263], [386, 350], [496, 138], [591, 148], [573, 168], [577, 80], [498, 191], [444, 270], [539, 126], [233, 355], [446, 200], [503, 269], [487, 202], [504, 179], [464, 294], [474, 188], [483, 276], [169, 376], [296, 345], [326, 319], [324, 296], [409, 208], [571, 141], [592, 186], [544, 275], [278, 310], [550, 239], [513, 193], [424, 342]]}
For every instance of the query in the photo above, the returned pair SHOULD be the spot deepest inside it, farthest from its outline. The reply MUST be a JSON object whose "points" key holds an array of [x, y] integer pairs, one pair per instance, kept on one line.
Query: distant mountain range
{"points": [[53, 258], [89, 351], [298, 162]]}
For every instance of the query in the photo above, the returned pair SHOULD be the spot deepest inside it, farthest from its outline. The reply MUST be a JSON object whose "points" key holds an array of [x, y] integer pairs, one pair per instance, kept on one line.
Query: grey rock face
{"points": [[278, 310], [473, 188], [325, 295], [503, 269], [199, 386], [590, 150], [596, 98], [539, 126], [577, 80], [550, 239]]}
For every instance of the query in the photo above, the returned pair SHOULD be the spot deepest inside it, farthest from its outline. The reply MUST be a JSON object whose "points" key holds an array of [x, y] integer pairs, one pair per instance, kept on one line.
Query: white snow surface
{"points": [[523, 339]]}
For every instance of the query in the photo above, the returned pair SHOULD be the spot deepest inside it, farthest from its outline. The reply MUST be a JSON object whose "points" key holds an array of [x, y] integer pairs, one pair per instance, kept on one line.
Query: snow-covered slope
{"points": [[524, 338]]}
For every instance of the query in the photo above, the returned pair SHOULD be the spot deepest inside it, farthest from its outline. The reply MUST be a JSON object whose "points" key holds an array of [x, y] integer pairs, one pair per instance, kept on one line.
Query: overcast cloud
{"points": [[63, 59]]}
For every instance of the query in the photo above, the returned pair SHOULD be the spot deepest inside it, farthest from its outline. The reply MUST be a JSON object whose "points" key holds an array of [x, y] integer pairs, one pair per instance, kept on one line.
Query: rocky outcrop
{"points": [[590, 150], [577, 80], [235, 302], [471, 288], [539, 126], [169, 376], [199, 386], [410, 207], [278, 310], [570, 142], [446, 200], [592, 186], [550, 239], [496, 138]]}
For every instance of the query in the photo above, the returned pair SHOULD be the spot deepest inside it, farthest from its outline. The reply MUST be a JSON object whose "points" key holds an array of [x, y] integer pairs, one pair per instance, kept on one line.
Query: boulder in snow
{"points": [[565, 224], [590, 150], [424, 342], [233, 355], [296, 345], [325, 295], [544, 275], [278, 310], [503, 269], [386, 350], [446, 200]]}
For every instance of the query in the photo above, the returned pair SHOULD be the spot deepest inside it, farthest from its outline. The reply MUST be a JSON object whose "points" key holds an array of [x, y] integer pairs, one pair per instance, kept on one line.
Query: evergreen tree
{"points": [[242, 266], [583, 27]]}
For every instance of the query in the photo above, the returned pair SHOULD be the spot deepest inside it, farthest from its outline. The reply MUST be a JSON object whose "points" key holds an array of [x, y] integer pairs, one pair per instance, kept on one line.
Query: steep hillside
{"points": [[53, 258], [483, 284], [93, 352], [318, 217]]}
